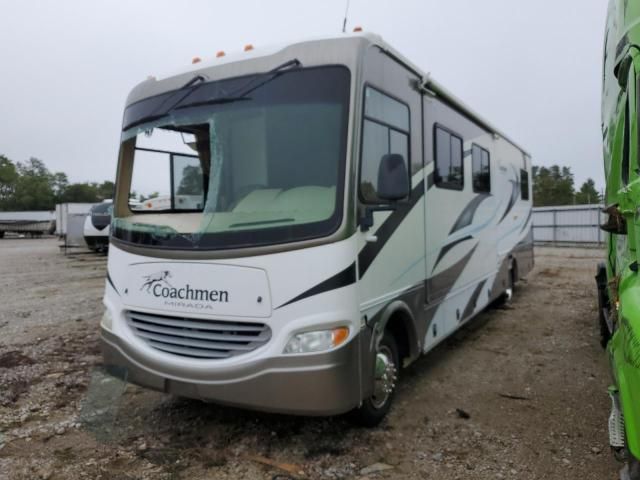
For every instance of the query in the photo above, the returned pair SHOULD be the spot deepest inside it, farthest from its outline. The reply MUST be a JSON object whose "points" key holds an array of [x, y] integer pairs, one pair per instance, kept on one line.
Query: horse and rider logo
{"points": [[154, 279]]}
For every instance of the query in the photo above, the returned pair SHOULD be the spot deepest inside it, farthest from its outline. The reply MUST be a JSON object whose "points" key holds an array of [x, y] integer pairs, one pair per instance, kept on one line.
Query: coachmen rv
{"points": [[332, 214]]}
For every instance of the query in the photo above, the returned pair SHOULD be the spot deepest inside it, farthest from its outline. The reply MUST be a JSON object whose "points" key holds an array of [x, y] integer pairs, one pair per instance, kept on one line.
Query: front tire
{"points": [[387, 368]]}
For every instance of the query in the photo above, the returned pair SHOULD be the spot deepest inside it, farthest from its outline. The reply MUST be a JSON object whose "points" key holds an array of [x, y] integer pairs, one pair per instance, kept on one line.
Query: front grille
{"points": [[196, 338]]}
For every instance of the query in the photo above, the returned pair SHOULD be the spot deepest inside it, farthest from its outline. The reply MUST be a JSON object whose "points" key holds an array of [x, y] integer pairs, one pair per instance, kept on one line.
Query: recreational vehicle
{"points": [[96, 226], [352, 215], [617, 279]]}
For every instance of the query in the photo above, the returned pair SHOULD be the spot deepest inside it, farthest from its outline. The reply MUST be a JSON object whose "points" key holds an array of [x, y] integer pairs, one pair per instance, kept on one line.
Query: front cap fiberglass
{"points": [[222, 171]]}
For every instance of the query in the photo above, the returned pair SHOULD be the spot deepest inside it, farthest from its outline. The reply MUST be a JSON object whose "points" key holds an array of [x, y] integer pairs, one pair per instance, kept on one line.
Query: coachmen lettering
{"points": [[158, 285], [188, 293]]}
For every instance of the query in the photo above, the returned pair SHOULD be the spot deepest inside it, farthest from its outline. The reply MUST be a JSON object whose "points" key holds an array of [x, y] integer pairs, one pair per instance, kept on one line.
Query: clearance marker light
{"points": [[357, 29], [220, 54], [195, 60], [248, 47]]}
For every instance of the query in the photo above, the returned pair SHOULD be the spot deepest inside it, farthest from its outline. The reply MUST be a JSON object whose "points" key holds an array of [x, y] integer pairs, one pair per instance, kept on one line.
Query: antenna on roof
{"points": [[346, 14]]}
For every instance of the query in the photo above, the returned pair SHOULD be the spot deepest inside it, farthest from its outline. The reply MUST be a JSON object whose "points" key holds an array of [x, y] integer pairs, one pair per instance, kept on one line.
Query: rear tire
{"points": [[387, 369], [631, 470]]}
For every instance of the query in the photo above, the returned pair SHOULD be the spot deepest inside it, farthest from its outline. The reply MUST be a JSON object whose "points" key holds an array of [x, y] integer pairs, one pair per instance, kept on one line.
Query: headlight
{"points": [[107, 319], [320, 341]]}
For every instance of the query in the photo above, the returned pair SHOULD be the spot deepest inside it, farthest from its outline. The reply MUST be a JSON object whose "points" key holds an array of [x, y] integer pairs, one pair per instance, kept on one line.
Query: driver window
{"points": [[385, 131]]}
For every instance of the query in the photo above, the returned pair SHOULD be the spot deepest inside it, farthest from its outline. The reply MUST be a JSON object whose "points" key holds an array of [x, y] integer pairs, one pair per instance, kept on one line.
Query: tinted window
{"points": [[481, 169], [524, 184], [383, 108], [104, 207], [449, 170], [385, 131]]}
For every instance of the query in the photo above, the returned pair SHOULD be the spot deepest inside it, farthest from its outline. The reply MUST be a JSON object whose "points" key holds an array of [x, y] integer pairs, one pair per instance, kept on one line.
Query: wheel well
{"points": [[398, 327]]}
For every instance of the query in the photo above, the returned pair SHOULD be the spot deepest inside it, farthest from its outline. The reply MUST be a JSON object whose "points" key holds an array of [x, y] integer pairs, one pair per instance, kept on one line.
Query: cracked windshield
{"points": [[266, 167]]}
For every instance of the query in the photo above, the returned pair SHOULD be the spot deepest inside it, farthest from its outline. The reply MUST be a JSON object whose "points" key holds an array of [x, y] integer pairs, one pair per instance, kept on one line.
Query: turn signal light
{"points": [[339, 336]]}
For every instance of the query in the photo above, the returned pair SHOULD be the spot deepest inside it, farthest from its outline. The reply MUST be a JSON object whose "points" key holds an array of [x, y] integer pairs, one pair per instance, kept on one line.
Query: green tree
{"points": [[191, 183], [8, 179], [31, 186], [59, 183], [80, 193], [552, 186], [106, 190], [588, 193], [34, 187]]}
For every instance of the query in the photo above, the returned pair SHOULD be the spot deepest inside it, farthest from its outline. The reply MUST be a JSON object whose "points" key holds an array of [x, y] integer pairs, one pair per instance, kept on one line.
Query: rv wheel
{"points": [[387, 362]]}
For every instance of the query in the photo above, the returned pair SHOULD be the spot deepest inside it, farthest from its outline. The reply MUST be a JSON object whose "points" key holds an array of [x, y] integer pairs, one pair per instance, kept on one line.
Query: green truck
{"points": [[618, 278]]}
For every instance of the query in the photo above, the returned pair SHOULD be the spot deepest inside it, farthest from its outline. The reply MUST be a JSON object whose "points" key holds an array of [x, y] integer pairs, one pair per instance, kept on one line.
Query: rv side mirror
{"points": [[393, 178], [616, 223]]}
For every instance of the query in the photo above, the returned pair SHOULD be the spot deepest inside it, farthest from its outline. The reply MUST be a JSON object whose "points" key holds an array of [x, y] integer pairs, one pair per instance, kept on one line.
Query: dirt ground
{"points": [[520, 393]]}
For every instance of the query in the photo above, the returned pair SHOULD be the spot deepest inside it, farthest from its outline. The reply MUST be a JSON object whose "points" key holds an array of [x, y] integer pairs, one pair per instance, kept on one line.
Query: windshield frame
{"points": [[250, 238]]}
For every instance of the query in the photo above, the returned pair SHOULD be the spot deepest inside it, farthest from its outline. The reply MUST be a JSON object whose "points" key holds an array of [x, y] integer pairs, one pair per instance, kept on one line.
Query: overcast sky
{"points": [[532, 68]]}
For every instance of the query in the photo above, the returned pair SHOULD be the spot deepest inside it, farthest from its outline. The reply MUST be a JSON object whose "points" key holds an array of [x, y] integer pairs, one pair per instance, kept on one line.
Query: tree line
{"points": [[555, 186], [31, 186]]}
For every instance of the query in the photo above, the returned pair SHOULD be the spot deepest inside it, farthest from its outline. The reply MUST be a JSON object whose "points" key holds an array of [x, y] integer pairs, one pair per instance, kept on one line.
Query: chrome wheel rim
{"points": [[385, 377]]}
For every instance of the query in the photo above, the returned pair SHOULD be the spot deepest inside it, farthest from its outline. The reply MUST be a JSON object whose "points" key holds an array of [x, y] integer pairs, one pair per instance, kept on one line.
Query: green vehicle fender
{"points": [[624, 351]]}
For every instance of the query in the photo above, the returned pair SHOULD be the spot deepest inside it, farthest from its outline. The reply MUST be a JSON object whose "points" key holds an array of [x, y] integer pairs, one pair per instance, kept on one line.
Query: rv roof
{"points": [[207, 67]]}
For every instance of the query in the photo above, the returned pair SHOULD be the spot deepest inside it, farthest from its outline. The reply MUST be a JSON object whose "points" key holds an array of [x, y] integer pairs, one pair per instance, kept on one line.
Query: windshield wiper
{"points": [[213, 101], [157, 115], [262, 222], [243, 92]]}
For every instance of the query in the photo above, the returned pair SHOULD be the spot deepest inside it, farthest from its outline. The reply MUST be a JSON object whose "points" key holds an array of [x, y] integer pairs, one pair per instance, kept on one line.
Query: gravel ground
{"points": [[518, 394]]}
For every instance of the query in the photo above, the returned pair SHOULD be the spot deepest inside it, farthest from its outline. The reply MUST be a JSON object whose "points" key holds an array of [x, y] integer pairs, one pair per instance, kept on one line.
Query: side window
{"points": [[385, 131], [187, 182], [524, 185], [449, 169], [481, 169]]}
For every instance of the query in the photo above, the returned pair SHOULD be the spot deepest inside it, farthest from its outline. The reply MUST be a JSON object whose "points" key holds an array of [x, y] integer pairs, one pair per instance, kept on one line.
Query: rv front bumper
{"points": [[319, 384]]}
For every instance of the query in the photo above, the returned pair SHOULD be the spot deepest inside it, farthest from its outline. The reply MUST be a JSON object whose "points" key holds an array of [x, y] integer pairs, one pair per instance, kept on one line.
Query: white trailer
{"points": [[70, 220], [26, 223], [352, 214]]}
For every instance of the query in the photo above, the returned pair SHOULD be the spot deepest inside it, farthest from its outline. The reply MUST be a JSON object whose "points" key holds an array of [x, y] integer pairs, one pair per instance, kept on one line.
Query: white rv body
{"points": [[96, 226], [227, 324]]}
